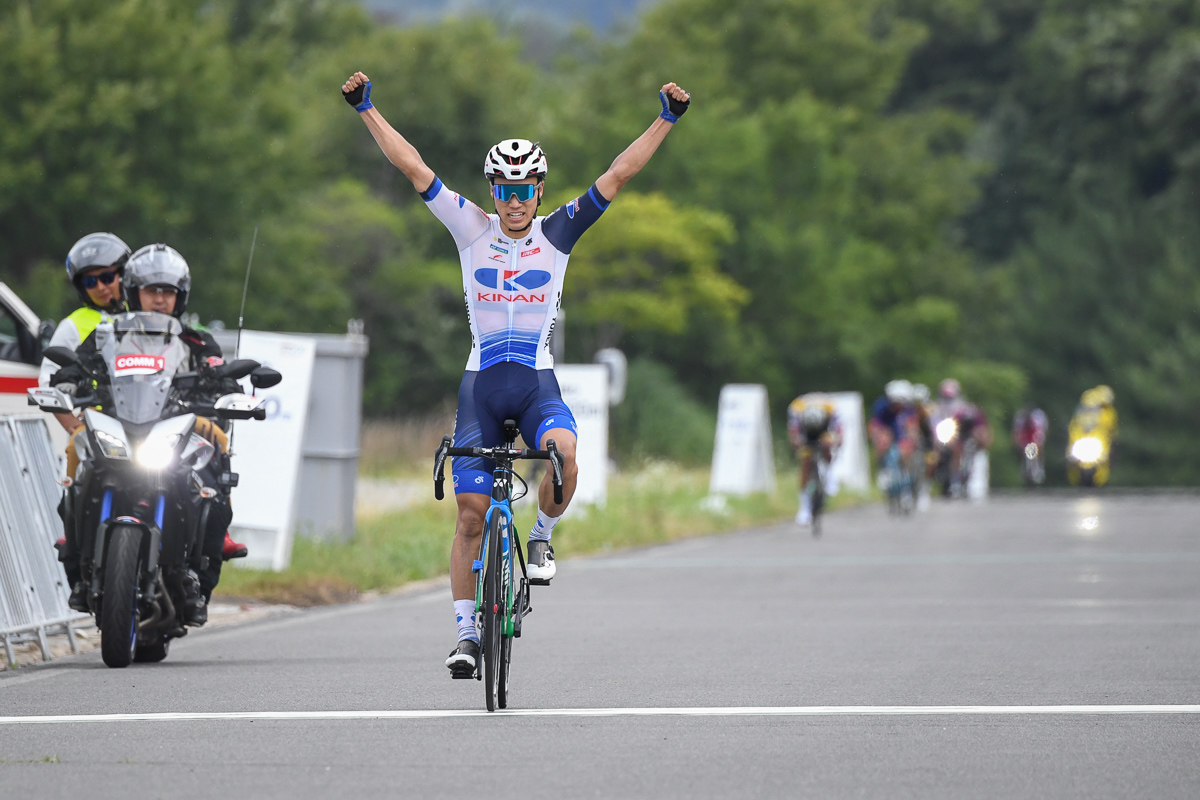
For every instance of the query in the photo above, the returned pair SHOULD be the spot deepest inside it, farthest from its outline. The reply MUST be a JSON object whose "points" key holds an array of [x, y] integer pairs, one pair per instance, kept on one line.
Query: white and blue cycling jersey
{"points": [[512, 287], [513, 290]]}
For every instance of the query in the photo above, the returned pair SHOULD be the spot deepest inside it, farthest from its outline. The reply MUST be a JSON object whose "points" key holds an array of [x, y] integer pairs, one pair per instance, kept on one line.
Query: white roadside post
{"points": [[851, 467], [267, 453], [585, 391], [743, 456]]}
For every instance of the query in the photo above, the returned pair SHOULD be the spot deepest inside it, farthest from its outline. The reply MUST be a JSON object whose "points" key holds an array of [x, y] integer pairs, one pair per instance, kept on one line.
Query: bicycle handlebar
{"points": [[497, 454]]}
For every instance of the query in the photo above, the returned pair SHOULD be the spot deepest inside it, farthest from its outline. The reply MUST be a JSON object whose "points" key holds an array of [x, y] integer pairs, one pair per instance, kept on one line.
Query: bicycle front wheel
{"points": [[493, 614]]}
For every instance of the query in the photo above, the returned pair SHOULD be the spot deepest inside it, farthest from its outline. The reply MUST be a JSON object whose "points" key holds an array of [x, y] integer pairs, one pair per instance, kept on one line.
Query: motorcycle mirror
{"points": [[63, 356], [265, 378], [238, 369]]}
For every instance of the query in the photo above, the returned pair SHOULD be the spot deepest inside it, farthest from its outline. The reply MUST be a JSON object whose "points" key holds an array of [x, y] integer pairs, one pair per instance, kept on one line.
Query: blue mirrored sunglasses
{"points": [[523, 191], [89, 281]]}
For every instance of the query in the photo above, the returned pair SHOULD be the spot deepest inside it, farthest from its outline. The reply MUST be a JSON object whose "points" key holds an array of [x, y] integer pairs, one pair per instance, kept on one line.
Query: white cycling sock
{"points": [[464, 610], [543, 527]]}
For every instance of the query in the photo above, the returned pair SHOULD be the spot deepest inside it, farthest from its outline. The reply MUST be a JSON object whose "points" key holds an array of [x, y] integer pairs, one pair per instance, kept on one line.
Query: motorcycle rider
{"points": [[972, 425], [159, 279], [513, 264], [95, 266], [1096, 418], [814, 431], [1030, 426]]}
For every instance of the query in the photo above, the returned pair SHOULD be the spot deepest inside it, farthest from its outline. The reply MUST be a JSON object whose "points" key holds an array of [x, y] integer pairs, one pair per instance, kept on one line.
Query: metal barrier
{"points": [[33, 590]]}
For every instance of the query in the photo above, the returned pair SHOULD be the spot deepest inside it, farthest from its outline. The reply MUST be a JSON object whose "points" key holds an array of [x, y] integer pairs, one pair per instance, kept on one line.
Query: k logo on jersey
{"points": [[514, 280]]}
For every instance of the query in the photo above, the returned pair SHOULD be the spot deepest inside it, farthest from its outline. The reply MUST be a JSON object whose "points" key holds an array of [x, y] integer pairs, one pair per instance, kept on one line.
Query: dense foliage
{"points": [[1002, 189]]}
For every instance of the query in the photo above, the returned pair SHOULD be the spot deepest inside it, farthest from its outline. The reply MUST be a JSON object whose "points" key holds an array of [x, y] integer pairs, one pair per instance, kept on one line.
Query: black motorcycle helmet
{"points": [[95, 250], [158, 265]]}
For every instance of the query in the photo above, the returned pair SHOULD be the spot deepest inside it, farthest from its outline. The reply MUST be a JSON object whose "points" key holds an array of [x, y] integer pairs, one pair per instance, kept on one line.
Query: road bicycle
{"points": [[501, 601], [897, 481], [815, 489]]}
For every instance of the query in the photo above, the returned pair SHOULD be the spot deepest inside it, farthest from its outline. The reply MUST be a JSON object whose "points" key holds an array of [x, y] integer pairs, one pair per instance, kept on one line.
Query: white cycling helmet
{"points": [[921, 393], [899, 391], [515, 159], [814, 417]]}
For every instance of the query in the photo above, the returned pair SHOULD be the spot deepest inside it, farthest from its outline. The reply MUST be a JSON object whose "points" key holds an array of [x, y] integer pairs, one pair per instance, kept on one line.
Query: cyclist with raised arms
{"points": [[513, 263]]}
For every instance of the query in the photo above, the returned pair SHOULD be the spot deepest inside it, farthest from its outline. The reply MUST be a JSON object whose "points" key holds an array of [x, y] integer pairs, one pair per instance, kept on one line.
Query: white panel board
{"points": [[585, 391], [267, 453], [851, 467], [981, 476], [743, 460]]}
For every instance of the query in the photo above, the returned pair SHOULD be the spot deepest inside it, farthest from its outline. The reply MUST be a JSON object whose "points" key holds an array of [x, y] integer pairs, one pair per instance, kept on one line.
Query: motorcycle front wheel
{"points": [[118, 612]]}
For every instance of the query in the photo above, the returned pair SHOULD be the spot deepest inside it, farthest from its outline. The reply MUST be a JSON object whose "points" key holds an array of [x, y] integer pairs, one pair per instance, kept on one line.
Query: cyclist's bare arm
{"points": [[397, 149], [638, 154]]}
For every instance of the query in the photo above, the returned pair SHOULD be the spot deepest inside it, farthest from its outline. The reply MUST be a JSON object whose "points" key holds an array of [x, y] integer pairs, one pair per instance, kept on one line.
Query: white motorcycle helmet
{"points": [[158, 265], [515, 159]]}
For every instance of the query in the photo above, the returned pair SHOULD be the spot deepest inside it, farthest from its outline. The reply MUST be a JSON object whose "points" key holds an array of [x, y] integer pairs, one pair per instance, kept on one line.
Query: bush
{"points": [[659, 419]]}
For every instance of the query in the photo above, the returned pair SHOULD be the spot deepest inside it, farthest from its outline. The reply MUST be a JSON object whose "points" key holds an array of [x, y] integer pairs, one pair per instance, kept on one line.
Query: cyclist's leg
{"points": [[804, 513], [547, 417], [544, 417], [474, 426]]}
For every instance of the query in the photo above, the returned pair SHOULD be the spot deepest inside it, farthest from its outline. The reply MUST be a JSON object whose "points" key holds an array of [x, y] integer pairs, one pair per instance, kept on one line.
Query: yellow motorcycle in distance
{"points": [[1090, 438]]}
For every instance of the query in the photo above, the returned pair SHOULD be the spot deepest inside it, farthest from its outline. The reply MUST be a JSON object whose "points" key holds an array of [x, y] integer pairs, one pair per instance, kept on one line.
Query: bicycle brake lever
{"points": [[439, 473]]}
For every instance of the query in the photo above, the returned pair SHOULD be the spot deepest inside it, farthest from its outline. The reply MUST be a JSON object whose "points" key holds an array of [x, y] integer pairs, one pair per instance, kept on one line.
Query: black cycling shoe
{"points": [[78, 601], [463, 659], [540, 565]]}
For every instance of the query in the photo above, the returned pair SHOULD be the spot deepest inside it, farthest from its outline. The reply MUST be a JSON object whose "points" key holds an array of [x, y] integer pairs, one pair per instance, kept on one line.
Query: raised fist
{"points": [[357, 91]]}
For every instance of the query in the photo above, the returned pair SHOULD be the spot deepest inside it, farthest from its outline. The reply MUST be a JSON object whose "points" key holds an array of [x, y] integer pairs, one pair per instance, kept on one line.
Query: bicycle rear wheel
{"points": [[493, 615]]}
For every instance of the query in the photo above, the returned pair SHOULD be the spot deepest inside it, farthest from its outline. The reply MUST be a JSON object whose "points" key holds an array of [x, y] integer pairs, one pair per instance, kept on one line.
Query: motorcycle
{"points": [[1089, 448], [139, 503], [946, 434], [1033, 468]]}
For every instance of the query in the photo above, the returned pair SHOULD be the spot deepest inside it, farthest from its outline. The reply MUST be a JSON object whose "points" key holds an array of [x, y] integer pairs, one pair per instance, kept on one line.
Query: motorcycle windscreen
{"points": [[143, 356]]}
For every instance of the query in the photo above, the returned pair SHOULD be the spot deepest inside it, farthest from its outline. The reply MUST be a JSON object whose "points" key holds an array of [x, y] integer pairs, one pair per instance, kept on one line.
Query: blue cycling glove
{"points": [[673, 109], [360, 98]]}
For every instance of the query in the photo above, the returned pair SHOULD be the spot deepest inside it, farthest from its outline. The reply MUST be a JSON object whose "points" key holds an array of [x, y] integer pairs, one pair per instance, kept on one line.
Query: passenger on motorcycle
{"points": [[513, 264], [815, 432], [159, 279]]}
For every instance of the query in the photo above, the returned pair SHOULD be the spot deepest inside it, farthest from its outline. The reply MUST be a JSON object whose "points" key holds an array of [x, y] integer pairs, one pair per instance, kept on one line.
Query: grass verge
{"points": [[658, 503]]}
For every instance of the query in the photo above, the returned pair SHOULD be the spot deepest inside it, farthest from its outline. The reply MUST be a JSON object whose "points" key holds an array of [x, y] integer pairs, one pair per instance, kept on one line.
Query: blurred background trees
{"points": [[1004, 190]]}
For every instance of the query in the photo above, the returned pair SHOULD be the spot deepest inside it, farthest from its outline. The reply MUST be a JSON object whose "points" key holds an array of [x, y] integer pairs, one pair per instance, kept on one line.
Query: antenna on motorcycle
{"points": [[237, 350]]}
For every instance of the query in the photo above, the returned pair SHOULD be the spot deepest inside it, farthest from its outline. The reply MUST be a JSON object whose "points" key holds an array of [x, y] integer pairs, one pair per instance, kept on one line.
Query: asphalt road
{"points": [[1034, 602]]}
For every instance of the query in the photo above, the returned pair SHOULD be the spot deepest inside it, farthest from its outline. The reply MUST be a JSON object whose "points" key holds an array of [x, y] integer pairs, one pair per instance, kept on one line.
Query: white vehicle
{"points": [[22, 337]]}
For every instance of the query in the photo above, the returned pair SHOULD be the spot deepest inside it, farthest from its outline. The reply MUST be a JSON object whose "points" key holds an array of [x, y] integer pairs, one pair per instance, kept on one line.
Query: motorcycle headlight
{"points": [[945, 430], [1031, 450], [157, 452], [111, 446], [1087, 450]]}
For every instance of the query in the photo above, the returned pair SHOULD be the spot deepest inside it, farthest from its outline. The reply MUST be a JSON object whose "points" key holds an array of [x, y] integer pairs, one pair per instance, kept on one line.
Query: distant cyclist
{"points": [[893, 419], [815, 432], [513, 263]]}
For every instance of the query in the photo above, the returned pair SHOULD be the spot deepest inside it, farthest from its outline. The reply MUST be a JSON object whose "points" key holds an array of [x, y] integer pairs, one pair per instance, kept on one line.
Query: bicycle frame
{"points": [[502, 504]]}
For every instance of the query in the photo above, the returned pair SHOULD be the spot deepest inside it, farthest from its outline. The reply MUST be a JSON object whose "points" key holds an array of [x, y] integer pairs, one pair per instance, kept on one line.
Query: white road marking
{"points": [[717, 711]]}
